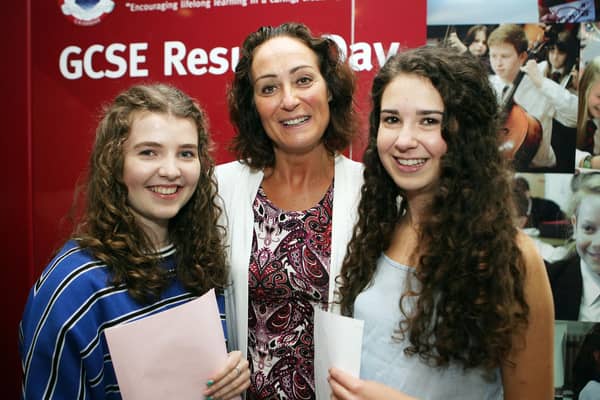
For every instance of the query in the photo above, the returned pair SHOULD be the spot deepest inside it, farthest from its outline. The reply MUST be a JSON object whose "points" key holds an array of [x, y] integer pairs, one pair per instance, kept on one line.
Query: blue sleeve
{"points": [[51, 354], [222, 315]]}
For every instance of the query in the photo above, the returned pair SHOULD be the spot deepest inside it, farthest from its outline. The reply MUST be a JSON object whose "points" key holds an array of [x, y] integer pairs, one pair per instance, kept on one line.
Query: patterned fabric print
{"points": [[289, 273]]}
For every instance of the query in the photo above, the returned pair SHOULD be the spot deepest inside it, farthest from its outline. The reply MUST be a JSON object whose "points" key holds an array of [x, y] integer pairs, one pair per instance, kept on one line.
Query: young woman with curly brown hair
{"points": [[455, 299], [147, 240]]}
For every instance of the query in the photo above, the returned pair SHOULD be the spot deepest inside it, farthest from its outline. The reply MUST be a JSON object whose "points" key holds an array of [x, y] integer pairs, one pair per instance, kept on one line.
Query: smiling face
{"points": [[593, 100], [161, 169], [587, 231], [290, 95], [409, 137]]}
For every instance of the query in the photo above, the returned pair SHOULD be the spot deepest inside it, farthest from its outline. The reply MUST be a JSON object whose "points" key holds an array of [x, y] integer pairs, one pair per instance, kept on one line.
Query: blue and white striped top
{"points": [[63, 349]]}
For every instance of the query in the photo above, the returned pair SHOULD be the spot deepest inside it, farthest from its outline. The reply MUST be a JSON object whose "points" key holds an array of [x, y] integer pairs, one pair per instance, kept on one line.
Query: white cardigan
{"points": [[238, 185]]}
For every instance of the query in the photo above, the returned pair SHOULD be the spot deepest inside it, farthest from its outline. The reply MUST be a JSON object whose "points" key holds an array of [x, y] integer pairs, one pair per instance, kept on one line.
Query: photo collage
{"points": [[545, 71]]}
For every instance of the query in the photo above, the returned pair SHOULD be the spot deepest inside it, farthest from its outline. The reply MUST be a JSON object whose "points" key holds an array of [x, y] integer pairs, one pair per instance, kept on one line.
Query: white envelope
{"points": [[338, 343]]}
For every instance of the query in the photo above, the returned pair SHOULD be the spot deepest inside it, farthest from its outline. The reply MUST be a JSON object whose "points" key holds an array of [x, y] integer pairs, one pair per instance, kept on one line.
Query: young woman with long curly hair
{"points": [[147, 240], [455, 299]]}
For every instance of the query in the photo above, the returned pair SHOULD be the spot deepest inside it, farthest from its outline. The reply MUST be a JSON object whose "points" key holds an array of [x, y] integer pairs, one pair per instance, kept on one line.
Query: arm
{"points": [[580, 156], [595, 162], [589, 161], [456, 43], [528, 374], [232, 380], [347, 387], [40, 379], [51, 340], [563, 101]]}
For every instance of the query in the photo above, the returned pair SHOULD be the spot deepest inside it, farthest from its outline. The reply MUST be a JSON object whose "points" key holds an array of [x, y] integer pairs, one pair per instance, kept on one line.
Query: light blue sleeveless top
{"points": [[383, 358]]}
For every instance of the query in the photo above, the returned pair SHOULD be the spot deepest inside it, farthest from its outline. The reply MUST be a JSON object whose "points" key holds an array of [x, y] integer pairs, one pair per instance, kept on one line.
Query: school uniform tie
{"points": [[504, 93], [556, 76]]}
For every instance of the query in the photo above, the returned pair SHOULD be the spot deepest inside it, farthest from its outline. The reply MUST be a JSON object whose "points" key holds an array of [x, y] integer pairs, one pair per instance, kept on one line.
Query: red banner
{"points": [[96, 49]]}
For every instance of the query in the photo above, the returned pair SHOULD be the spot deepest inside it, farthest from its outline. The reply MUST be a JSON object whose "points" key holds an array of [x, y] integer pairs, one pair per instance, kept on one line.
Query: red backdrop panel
{"points": [[15, 237], [142, 46], [57, 87], [195, 49]]}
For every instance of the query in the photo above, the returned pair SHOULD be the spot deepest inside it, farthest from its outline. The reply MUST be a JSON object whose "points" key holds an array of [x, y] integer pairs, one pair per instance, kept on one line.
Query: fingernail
{"points": [[210, 383]]}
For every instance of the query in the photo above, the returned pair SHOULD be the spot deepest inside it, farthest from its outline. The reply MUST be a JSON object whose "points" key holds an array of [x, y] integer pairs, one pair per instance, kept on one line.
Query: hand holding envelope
{"points": [[338, 343], [169, 355]]}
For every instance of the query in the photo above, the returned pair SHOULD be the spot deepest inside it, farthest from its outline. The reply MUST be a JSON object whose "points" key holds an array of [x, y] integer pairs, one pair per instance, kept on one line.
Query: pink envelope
{"points": [[169, 355]]}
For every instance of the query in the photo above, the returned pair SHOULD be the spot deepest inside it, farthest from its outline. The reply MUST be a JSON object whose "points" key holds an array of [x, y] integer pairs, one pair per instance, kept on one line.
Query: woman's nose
{"points": [[169, 168], [406, 138], [289, 100]]}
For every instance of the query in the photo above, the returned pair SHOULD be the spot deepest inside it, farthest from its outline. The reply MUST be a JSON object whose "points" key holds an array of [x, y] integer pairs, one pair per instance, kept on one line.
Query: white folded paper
{"points": [[338, 343]]}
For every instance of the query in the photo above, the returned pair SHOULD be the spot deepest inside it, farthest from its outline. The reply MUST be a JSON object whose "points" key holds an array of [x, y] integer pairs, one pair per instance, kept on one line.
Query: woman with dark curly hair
{"points": [[455, 299], [147, 240], [290, 200]]}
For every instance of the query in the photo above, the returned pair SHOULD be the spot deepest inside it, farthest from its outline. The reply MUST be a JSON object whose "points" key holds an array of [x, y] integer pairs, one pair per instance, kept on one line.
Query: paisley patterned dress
{"points": [[289, 274]]}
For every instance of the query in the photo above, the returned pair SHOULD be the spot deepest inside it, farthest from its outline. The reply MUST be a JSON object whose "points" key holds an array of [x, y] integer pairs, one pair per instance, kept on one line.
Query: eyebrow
{"points": [[293, 70], [157, 144], [419, 112], [147, 144], [189, 145]]}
